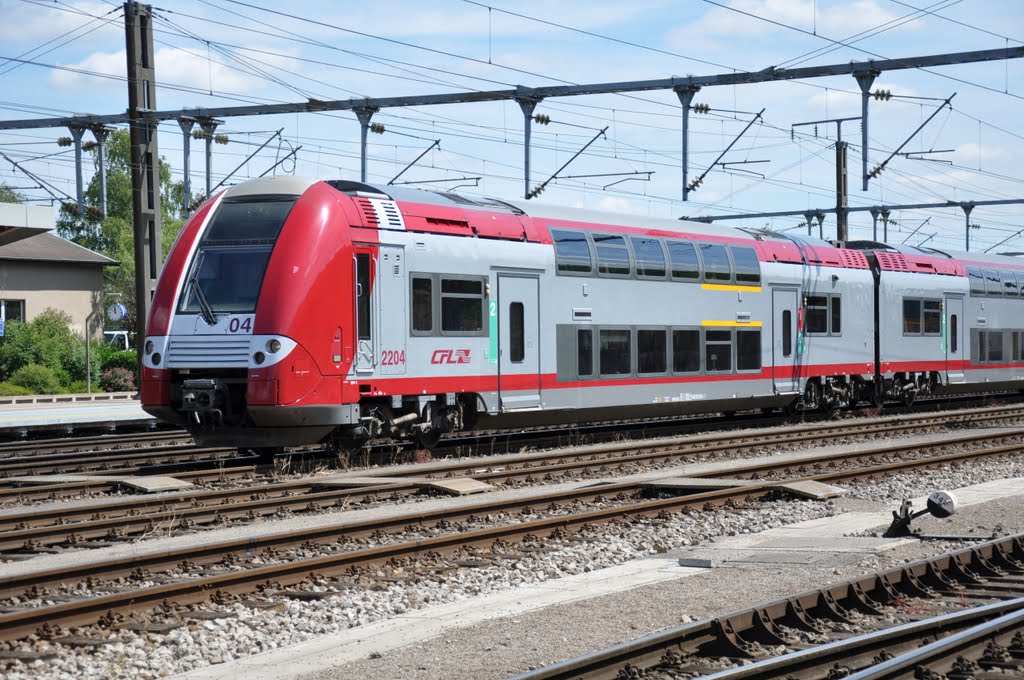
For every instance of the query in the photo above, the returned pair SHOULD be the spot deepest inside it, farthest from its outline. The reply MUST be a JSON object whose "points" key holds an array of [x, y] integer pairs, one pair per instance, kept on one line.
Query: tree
{"points": [[113, 236], [10, 195]]}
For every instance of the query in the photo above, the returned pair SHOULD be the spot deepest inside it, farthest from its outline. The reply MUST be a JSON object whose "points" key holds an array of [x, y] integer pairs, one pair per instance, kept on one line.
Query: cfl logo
{"points": [[450, 356]]}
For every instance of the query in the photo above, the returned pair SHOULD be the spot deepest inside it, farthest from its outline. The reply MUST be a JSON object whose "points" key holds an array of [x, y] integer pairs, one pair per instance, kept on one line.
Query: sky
{"points": [[59, 58]]}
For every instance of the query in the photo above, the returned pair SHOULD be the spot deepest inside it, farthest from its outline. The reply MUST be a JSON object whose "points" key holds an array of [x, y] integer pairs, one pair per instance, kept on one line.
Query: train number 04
{"points": [[392, 357], [240, 324]]}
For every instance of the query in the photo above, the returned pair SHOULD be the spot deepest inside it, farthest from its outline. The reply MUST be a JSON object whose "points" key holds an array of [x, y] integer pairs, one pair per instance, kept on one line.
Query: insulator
{"points": [[701, 108], [69, 208], [64, 141], [220, 139], [377, 128], [542, 118], [883, 95], [200, 134], [537, 191], [89, 146], [94, 213]]}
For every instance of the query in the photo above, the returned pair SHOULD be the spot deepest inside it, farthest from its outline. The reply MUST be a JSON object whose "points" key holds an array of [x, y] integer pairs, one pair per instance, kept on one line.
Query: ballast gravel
{"points": [[510, 645]]}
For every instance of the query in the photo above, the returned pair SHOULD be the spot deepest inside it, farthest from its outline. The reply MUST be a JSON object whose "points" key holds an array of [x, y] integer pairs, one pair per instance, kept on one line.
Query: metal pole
{"points": [[842, 219], [101, 133], [885, 225], [967, 207], [809, 218], [145, 160], [76, 134], [527, 104], [865, 79], [364, 114], [686, 95], [186, 131], [209, 127]]}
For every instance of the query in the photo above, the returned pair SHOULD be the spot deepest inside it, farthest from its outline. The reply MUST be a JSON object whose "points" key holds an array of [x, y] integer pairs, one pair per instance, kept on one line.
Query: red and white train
{"points": [[293, 311]]}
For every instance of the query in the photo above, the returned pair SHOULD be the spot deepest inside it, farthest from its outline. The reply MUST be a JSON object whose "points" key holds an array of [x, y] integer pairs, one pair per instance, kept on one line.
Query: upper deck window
{"points": [[612, 254], [716, 263], [572, 251], [748, 269], [650, 258], [685, 263]]}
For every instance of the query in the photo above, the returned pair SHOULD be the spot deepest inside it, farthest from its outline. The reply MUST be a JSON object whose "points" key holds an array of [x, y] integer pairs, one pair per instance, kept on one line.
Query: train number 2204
{"points": [[392, 357]]}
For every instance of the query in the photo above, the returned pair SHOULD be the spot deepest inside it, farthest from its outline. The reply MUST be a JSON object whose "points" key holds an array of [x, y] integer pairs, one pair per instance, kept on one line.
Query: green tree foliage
{"points": [[10, 195], [113, 236], [36, 379]]}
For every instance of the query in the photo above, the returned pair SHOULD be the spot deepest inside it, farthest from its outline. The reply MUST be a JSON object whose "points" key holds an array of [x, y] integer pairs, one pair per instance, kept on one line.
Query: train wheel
{"points": [[908, 398], [812, 396]]}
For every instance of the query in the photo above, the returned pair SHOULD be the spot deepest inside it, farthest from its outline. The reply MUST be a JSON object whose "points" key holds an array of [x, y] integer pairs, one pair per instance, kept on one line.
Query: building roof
{"points": [[48, 247]]}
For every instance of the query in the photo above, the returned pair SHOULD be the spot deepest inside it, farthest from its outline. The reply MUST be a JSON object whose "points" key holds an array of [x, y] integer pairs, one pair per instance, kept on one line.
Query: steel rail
{"points": [[88, 610], [121, 520], [106, 441], [729, 634]]}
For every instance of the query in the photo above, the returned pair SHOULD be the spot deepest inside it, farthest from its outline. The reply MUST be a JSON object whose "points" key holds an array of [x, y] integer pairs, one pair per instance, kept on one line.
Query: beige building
{"points": [[45, 270]]}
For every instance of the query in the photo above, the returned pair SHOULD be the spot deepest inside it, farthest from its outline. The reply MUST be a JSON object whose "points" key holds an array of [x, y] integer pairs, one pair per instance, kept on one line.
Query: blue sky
{"points": [[227, 52]]}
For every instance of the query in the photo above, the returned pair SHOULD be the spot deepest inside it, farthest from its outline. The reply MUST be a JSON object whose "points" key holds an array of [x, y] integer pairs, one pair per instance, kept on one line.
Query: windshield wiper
{"points": [[205, 310]]}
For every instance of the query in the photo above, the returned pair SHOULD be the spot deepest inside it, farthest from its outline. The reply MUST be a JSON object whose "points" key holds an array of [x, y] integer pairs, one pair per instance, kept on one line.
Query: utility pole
{"points": [[138, 26], [842, 183]]}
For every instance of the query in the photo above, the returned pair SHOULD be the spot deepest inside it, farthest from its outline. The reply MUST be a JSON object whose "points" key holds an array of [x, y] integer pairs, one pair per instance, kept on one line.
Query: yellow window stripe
{"points": [[714, 322], [741, 289]]}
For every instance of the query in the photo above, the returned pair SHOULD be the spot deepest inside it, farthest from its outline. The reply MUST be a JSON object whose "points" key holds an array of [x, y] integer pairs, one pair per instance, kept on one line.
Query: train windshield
{"points": [[229, 264]]}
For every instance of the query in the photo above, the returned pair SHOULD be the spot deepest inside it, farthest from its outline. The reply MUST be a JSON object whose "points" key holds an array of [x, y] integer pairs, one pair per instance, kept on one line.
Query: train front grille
{"points": [[208, 351]]}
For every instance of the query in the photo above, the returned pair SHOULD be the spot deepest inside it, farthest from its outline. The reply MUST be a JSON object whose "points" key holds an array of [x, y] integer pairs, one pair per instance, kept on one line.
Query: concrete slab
{"points": [[15, 416], [814, 490], [152, 484], [155, 484], [463, 486], [358, 643]]}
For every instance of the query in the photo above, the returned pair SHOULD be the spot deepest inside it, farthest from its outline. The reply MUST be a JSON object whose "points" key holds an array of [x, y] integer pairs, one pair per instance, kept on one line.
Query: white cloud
{"points": [[840, 103], [27, 24], [175, 66], [971, 154]]}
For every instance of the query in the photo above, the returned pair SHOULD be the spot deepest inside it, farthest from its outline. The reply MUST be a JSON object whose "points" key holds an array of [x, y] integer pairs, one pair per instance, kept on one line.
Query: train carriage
{"points": [[295, 311]]}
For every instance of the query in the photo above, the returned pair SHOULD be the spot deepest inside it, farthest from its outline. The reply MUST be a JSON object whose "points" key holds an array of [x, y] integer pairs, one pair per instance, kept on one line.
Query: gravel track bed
{"points": [[250, 630]]}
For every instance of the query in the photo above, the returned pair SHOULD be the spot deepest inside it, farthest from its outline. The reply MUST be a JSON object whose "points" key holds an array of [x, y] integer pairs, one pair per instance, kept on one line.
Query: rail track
{"points": [[958, 615], [127, 518], [125, 591]]}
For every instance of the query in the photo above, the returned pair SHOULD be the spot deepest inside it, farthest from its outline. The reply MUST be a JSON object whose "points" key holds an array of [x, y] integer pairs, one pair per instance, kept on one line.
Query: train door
{"points": [[784, 341], [954, 338], [392, 317], [363, 274], [519, 342]]}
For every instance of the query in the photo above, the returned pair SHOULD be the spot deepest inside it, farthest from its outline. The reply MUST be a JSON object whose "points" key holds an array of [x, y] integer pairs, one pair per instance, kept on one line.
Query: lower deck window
{"points": [[748, 350], [686, 351], [615, 352], [652, 351], [718, 351], [584, 352], [462, 306]]}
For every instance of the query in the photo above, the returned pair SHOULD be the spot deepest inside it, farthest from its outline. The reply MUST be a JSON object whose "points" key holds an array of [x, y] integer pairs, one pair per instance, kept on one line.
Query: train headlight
{"points": [[259, 357], [156, 359], [149, 346], [274, 346]]}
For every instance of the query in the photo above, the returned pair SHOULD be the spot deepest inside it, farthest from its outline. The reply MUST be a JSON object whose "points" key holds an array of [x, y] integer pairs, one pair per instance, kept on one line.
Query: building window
{"points": [[686, 351], [615, 354], [823, 314], [748, 350], [462, 306], [422, 305], [12, 310], [517, 332], [612, 254], [652, 351], [716, 263], [685, 265], [718, 351], [572, 252], [748, 269], [650, 258], [584, 352]]}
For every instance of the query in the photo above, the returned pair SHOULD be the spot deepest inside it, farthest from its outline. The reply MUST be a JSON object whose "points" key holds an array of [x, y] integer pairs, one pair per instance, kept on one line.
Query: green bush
{"points": [[124, 358], [78, 387], [47, 341], [9, 390], [38, 379], [17, 348]]}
